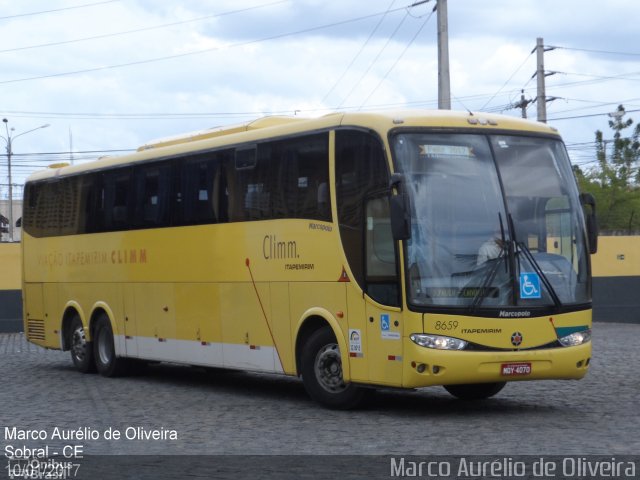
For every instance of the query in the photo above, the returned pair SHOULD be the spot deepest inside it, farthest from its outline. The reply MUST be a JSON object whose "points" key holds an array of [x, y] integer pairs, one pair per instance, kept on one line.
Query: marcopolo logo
{"points": [[516, 314]]}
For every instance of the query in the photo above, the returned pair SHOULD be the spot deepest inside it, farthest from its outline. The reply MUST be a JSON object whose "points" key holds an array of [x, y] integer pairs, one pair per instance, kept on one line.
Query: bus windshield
{"points": [[496, 222]]}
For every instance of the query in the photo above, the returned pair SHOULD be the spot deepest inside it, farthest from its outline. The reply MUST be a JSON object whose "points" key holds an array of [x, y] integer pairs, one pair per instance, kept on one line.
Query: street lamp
{"points": [[9, 140]]}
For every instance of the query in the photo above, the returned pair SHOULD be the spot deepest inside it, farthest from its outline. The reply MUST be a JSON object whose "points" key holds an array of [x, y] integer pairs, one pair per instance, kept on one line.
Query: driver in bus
{"points": [[490, 249]]}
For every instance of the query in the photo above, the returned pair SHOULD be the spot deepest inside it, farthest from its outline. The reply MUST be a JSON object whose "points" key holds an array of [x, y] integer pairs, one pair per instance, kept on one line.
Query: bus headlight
{"points": [[438, 342], [577, 338]]}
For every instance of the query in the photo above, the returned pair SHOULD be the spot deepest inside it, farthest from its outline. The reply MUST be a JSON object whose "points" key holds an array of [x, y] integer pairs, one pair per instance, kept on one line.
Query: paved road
{"points": [[244, 413]]}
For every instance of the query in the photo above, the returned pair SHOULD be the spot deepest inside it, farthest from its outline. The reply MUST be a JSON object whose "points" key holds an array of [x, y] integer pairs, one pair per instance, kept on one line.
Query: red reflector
{"points": [[343, 276]]}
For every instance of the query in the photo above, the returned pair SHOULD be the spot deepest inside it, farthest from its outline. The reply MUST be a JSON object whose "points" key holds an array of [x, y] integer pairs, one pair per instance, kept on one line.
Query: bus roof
{"points": [[279, 126]]}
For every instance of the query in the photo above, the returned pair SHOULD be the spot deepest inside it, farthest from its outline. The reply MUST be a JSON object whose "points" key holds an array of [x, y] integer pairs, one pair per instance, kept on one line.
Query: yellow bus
{"points": [[356, 250]]}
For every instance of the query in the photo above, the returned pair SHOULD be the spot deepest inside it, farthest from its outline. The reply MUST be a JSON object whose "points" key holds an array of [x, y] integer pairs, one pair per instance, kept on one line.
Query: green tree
{"points": [[615, 182]]}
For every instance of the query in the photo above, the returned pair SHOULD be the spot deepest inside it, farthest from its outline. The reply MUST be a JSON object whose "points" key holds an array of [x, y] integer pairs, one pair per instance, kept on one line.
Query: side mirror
{"points": [[588, 200], [399, 209]]}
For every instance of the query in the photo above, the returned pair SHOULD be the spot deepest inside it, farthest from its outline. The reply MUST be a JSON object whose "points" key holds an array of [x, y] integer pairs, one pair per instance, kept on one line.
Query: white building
{"points": [[4, 220]]}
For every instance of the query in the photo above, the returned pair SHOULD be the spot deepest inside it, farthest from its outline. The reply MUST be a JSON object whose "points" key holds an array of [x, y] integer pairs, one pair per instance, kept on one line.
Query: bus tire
{"points": [[107, 363], [321, 368], [475, 391], [81, 349]]}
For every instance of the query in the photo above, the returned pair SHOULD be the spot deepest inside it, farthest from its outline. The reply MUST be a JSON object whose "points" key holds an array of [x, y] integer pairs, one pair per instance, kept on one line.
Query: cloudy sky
{"points": [[112, 75]]}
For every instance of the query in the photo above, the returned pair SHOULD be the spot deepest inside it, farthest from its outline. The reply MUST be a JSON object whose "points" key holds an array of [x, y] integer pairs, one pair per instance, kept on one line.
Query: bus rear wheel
{"points": [[107, 363], [475, 391], [322, 373], [81, 349]]}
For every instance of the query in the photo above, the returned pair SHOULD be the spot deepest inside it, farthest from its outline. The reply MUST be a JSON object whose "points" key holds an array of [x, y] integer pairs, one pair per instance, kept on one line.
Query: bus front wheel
{"points": [[475, 391], [322, 372], [107, 363], [81, 348]]}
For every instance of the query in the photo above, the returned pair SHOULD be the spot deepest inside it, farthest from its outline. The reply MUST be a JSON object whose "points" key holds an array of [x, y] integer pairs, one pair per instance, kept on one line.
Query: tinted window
{"points": [[361, 170], [152, 189], [112, 203], [284, 179], [280, 179]]}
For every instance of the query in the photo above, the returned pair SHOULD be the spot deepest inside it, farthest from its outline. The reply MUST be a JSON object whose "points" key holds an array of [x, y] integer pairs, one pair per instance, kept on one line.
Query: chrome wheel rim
{"points": [[328, 369]]}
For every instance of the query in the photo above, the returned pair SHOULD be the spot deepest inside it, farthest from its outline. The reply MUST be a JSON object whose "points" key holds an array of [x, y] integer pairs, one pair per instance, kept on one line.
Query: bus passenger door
{"points": [[382, 298]]}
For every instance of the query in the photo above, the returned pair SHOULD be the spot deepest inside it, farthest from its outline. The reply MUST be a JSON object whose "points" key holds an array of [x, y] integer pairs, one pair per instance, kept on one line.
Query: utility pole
{"points": [[523, 104], [541, 98], [9, 140], [444, 84]]}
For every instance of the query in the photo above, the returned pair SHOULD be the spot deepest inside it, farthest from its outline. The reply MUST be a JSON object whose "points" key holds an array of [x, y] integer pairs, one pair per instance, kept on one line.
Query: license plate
{"points": [[515, 369]]}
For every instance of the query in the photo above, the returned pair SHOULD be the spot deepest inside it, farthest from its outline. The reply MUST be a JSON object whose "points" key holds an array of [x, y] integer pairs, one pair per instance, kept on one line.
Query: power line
{"points": [[144, 29], [508, 80], [375, 29], [373, 62], [594, 81], [622, 76], [384, 77], [198, 52], [58, 9], [589, 115], [595, 104], [607, 52], [230, 114]]}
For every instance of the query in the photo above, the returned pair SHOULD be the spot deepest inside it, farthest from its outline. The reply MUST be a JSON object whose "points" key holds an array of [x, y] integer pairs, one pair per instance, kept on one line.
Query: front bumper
{"points": [[425, 367]]}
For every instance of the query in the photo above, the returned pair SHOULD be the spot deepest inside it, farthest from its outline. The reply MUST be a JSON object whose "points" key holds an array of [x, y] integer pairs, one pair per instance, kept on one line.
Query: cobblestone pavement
{"points": [[217, 412]]}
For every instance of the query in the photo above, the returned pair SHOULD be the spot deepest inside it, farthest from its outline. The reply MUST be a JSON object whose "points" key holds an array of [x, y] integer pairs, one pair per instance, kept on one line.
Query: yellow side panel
{"points": [[83, 294], [242, 319], [330, 296], [384, 342], [130, 327], [358, 361], [34, 303], [198, 312], [52, 314], [155, 310], [281, 325]]}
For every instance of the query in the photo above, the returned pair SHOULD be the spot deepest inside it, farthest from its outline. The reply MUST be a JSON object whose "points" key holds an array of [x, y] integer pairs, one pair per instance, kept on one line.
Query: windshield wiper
{"points": [[536, 266], [481, 294], [491, 273]]}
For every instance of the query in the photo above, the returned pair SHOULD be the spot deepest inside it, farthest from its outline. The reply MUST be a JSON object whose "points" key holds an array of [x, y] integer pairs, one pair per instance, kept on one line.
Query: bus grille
{"points": [[35, 330]]}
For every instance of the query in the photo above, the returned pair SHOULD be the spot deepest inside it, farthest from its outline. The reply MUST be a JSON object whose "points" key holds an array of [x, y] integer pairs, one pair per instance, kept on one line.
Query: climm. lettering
{"points": [[274, 249], [133, 255]]}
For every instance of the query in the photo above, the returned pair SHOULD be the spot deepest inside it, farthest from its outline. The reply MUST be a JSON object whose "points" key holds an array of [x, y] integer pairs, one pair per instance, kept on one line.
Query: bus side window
{"points": [[302, 190], [33, 197], [196, 201], [114, 200], [152, 187], [220, 194], [280, 179]]}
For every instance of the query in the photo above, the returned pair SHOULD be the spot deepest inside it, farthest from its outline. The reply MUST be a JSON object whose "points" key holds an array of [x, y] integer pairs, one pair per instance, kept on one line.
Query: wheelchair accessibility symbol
{"points": [[530, 285], [385, 322]]}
